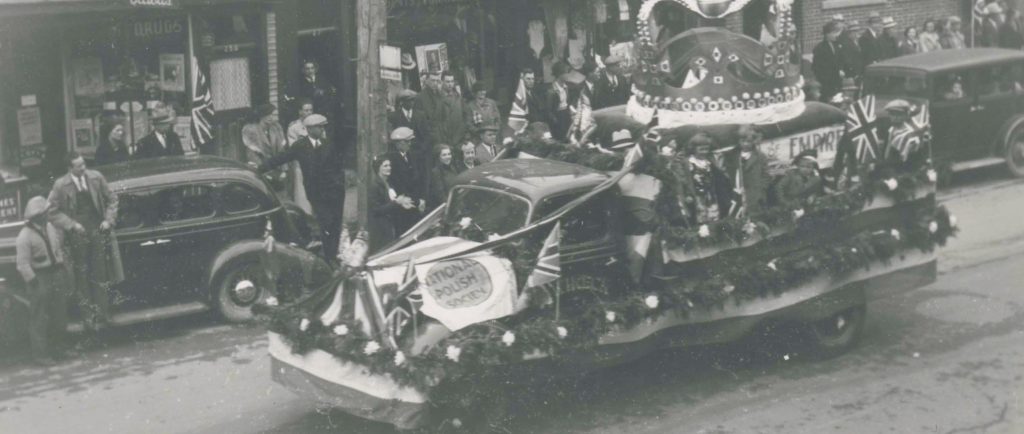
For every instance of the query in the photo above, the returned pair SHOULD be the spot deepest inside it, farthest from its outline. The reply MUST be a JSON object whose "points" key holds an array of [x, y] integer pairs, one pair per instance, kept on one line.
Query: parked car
{"points": [[191, 229], [975, 99]]}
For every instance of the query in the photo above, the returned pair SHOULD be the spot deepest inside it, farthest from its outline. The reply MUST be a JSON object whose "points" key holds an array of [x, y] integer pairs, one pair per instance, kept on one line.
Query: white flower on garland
{"points": [[399, 358], [855, 179], [371, 348], [304, 325], [508, 338], [493, 237], [895, 234], [728, 289], [749, 228], [704, 231], [465, 222], [453, 353], [456, 423], [853, 250], [771, 266], [952, 221], [892, 184], [933, 227], [341, 330], [609, 316], [562, 332], [652, 301], [932, 176], [271, 301], [798, 213]]}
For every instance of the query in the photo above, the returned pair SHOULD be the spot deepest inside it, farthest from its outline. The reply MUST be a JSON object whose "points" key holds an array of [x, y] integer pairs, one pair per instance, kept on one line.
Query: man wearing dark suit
{"points": [[827, 63], [84, 208], [557, 103], [612, 87], [314, 87], [409, 116], [850, 52], [322, 178], [162, 141], [536, 112], [406, 178], [870, 42]]}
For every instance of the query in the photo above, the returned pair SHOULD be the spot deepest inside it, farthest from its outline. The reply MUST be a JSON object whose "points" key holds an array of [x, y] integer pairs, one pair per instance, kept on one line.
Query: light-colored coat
{"points": [[63, 204], [31, 253]]}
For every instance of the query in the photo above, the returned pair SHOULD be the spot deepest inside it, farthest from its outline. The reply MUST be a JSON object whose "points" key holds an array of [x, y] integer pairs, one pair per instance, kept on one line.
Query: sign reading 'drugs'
{"points": [[466, 291]]}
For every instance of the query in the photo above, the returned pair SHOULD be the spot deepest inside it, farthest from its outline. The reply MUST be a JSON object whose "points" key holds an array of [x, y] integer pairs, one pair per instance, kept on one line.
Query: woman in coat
{"points": [[910, 43], [442, 176], [112, 148], [929, 39], [384, 205], [263, 138]]}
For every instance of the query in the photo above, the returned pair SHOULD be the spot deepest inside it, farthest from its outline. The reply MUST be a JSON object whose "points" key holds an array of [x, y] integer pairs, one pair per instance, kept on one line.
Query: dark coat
{"points": [[795, 187], [1010, 36], [442, 178], [756, 179], [559, 120], [535, 106], [606, 95], [322, 93], [871, 48], [383, 214], [405, 176], [890, 47], [461, 166], [64, 203], [150, 147], [322, 176], [850, 57], [106, 154], [827, 66]]}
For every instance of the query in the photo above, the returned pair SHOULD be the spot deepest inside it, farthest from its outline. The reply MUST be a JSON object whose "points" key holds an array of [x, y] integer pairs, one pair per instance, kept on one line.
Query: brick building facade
{"points": [[906, 12]]}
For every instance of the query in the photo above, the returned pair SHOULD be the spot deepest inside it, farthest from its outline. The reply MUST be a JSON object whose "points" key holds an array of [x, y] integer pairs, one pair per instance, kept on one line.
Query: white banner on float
{"points": [[466, 291], [782, 150]]}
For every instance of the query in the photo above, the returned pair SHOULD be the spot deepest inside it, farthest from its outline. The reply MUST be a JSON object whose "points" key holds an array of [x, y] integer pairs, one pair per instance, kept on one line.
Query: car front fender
{"points": [[293, 262]]}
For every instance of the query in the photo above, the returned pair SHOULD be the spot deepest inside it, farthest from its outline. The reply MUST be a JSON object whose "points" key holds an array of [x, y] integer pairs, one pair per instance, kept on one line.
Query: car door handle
{"points": [[154, 243]]}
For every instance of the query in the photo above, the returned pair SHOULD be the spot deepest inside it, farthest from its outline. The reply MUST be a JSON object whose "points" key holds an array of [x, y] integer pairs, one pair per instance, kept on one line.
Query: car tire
{"points": [[232, 298], [838, 333], [1014, 150]]}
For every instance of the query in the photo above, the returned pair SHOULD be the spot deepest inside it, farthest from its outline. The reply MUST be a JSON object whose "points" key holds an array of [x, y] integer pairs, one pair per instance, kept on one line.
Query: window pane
{"points": [[495, 212], [131, 209], [187, 202], [240, 199]]}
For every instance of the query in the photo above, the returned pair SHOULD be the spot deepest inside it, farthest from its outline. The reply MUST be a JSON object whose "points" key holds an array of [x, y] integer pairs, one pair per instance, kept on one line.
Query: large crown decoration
{"points": [[710, 75]]}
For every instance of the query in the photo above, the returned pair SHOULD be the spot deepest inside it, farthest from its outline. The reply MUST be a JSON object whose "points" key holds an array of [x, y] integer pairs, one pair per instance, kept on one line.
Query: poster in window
{"points": [[172, 72], [30, 132], [82, 133], [88, 76], [230, 86], [432, 57]]}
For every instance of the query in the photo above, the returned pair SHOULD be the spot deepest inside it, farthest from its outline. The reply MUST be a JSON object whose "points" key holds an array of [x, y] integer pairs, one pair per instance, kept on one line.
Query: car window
{"points": [[896, 85], [187, 202], [587, 222], [132, 208], [1007, 78], [951, 87], [987, 81], [494, 211], [239, 199]]}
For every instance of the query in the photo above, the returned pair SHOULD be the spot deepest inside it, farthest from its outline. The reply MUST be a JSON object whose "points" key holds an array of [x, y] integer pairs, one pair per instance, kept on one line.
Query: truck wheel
{"points": [[838, 333], [237, 289], [1015, 151]]}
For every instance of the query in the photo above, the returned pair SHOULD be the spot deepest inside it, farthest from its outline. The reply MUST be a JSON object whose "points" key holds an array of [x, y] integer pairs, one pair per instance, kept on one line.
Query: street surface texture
{"points": [[948, 358]]}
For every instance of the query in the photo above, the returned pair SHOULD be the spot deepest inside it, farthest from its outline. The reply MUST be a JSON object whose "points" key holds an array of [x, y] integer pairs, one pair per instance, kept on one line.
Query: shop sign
{"points": [[9, 206], [158, 28], [157, 4]]}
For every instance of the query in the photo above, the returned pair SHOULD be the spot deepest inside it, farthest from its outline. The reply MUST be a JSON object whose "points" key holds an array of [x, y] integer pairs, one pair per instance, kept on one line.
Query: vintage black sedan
{"points": [[191, 233]]}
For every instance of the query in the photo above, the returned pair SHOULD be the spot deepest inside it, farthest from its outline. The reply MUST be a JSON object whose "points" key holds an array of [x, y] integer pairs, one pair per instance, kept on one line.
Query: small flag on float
{"points": [[520, 109], [860, 128], [549, 263], [632, 157], [909, 137]]}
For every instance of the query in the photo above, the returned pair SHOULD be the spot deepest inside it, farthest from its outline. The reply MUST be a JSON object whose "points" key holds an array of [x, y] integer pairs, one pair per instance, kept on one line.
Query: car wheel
{"points": [[838, 333], [1015, 151], [238, 289]]}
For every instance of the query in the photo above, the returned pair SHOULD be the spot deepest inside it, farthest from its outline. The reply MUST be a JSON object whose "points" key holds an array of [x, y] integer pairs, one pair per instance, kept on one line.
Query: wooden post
{"points": [[371, 119]]}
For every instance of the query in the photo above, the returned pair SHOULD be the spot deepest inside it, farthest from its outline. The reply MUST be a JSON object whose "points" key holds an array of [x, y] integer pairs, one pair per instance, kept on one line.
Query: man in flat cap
{"points": [[612, 88], [39, 255], [407, 177], [408, 115], [323, 178], [801, 182]]}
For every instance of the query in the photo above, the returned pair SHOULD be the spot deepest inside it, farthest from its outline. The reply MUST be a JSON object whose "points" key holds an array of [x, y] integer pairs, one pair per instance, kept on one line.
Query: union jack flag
{"points": [[202, 107], [549, 262], [520, 108], [584, 115], [860, 128], [908, 138], [406, 303]]}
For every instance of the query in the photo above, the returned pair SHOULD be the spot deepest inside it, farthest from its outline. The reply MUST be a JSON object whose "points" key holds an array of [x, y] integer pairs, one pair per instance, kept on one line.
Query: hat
{"points": [[402, 133], [613, 59], [812, 84], [407, 62], [898, 105], [622, 139], [809, 154], [993, 9], [875, 19], [479, 86], [850, 84], [265, 109], [36, 206], [314, 120], [406, 94], [838, 17], [162, 115], [853, 26], [377, 161], [888, 22]]}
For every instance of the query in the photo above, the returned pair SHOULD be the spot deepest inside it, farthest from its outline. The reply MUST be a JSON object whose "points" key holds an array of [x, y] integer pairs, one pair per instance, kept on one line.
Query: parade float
{"points": [[580, 258]]}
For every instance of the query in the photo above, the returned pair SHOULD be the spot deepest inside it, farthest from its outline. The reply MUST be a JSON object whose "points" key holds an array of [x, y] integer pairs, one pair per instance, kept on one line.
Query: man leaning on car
{"points": [[84, 208]]}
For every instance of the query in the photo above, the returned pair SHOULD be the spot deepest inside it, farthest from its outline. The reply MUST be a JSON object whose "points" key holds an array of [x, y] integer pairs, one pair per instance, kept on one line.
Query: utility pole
{"points": [[371, 118]]}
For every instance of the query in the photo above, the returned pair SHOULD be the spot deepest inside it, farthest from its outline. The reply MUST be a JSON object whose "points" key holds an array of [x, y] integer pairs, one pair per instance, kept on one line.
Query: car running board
{"points": [[974, 164], [146, 315]]}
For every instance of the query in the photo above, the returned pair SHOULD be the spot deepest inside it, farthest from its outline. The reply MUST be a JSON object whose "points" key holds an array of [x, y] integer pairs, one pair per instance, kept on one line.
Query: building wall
{"points": [[906, 12]]}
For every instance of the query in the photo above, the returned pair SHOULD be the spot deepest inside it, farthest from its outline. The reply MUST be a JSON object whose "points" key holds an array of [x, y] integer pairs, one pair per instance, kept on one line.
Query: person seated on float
{"points": [[748, 169], [704, 188], [802, 182], [903, 151]]}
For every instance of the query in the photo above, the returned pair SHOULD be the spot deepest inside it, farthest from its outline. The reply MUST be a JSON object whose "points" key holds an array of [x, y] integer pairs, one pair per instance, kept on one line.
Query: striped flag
{"points": [[549, 263], [860, 128], [907, 138], [584, 113], [407, 301], [977, 20], [202, 107], [520, 108]]}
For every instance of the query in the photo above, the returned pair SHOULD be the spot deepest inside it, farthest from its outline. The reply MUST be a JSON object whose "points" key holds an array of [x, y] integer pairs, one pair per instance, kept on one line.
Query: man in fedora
{"points": [[40, 261], [487, 147], [322, 177], [870, 42], [612, 88], [162, 141], [84, 208], [890, 41], [851, 55]]}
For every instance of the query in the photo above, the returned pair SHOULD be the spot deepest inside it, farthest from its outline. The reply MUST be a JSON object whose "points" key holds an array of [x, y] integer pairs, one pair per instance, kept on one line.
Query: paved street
{"points": [[948, 358]]}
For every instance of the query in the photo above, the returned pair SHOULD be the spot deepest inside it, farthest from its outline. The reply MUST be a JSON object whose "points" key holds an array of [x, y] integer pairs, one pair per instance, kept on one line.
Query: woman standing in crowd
{"points": [[929, 39], [263, 138], [385, 205], [112, 148], [442, 176], [910, 43], [1010, 30]]}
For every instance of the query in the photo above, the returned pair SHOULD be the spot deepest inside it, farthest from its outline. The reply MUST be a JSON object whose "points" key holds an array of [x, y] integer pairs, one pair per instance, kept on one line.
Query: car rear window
{"points": [[187, 202]]}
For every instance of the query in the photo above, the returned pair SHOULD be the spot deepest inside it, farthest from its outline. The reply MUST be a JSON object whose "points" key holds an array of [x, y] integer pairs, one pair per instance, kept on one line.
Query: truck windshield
{"points": [[495, 212]]}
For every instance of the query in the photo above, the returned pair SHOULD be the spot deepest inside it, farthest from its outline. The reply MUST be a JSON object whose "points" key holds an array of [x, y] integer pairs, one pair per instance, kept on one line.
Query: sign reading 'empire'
{"points": [[153, 3]]}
